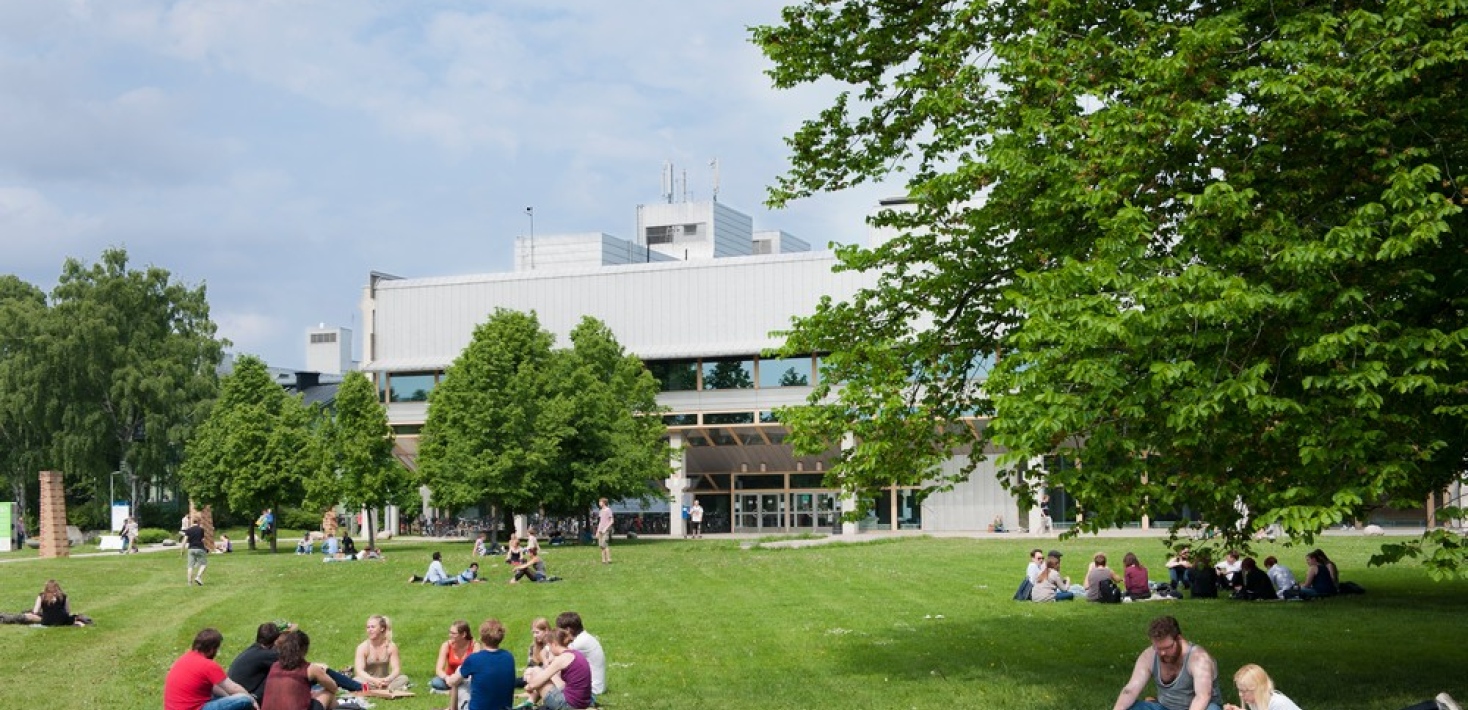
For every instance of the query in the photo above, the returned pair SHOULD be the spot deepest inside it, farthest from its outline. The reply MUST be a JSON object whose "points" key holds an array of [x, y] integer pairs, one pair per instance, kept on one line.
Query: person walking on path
{"points": [[197, 553], [604, 531]]}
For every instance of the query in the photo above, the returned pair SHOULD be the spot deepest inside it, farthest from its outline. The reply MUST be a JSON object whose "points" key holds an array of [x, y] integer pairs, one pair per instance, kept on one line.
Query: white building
{"points": [[698, 296]]}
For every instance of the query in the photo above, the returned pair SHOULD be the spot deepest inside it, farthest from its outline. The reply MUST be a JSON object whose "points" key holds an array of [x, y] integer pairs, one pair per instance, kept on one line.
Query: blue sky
{"points": [[279, 151]]}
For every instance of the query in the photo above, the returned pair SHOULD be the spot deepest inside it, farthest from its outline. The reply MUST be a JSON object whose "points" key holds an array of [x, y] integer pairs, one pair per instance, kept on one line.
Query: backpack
{"points": [[1023, 593], [1110, 593]]}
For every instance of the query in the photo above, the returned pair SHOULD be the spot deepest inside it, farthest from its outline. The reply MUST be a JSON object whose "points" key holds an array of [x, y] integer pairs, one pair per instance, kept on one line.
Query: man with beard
{"points": [[1186, 676]]}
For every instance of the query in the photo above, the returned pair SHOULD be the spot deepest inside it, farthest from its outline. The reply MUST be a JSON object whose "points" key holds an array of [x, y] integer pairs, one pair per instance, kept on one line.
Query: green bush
{"points": [[91, 516], [160, 515], [152, 536], [297, 519]]}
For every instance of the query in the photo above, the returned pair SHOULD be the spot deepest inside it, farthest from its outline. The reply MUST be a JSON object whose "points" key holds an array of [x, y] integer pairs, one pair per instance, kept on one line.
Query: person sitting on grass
{"points": [[252, 665], [222, 544], [348, 547], [1321, 579], [1282, 578], [1205, 577], [53, 609], [1257, 692], [1180, 569], [489, 671], [533, 568], [1134, 577], [371, 553], [196, 682], [1049, 585], [1254, 584], [378, 664], [1099, 572], [435, 573], [514, 553], [574, 671], [589, 646], [306, 546], [295, 683]]}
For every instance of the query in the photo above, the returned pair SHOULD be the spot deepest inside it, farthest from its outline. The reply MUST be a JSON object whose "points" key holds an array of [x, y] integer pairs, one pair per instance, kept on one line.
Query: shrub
{"points": [[298, 519], [152, 536]]}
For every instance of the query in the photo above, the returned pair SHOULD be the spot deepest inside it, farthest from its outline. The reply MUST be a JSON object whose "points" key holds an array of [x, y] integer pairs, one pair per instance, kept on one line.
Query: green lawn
{"points": [[902, 623]]}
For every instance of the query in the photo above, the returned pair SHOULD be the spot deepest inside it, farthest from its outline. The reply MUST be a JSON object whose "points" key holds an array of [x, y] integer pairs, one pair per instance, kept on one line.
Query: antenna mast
{"points": [[715, 165]]}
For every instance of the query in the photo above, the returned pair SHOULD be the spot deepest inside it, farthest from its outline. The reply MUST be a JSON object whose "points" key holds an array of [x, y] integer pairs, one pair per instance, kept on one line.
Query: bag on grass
{"points": [[1351, 588], [1023, 593], [1109, 592]]}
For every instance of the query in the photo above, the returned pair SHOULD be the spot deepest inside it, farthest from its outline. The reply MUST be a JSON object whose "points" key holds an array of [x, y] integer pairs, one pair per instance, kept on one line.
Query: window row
{"points": [[733, 373]]}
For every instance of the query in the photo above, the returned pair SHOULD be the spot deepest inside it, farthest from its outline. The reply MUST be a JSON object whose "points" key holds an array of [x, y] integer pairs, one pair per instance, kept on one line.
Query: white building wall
{"points": [[971, 505], [657, 311], [329, 350]]}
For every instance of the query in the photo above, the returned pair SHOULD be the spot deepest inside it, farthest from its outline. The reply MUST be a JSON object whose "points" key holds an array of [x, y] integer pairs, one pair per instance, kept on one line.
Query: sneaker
{"points": [[199, 582], [435, 691], [1446, 702]]}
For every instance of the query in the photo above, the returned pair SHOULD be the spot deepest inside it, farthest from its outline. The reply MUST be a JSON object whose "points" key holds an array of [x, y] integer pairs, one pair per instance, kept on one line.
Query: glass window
{"points": [[768, 417], [680, 420], [728, 418], [807, 480], [407, 429], [760, 480], [409, 386], [675, 375], [784, 372], [728, 374]]}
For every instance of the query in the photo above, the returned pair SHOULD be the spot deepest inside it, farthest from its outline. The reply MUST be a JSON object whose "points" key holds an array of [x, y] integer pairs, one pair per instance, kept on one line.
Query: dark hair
{"points": [[563, 637], [1320, 555], [1129, 560], [570, 620], [1270, 561], [1164, 627], [293, 647], [1248, 563], [207, 642], [437, 556], [1036, 551], [267, 634], [1099, 559], [491, 633]]}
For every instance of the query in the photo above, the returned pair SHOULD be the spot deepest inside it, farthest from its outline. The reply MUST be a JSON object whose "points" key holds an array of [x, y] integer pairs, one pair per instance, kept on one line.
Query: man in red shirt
{"points": [[196, 682]]}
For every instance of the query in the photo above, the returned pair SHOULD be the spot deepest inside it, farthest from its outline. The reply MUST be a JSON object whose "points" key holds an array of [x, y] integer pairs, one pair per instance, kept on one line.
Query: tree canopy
{"points": [[1217, 247], [111, 372], [360, 454], [525, 426], [257, 449]]}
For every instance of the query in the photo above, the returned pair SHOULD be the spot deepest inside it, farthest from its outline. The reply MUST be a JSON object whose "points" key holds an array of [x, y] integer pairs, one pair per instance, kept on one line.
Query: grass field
{"points": [[900, 623]]}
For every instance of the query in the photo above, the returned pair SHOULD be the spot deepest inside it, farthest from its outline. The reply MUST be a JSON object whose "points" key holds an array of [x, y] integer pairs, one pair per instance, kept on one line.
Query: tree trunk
{"points": [[371, 530]]}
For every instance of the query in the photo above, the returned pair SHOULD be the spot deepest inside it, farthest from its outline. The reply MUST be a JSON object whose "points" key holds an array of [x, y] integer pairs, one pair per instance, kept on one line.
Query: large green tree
{"points": [[257, 449], [360, 456], [1218, 246], [131, 367], [524, 426], [25, 433]]}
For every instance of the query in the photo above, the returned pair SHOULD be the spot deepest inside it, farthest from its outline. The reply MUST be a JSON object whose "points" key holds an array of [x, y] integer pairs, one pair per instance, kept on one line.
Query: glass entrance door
{"points": [[759, 512]]}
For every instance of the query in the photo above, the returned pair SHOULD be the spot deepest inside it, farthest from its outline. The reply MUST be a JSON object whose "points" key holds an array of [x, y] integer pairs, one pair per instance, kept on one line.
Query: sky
{"points": [[278, 151]]}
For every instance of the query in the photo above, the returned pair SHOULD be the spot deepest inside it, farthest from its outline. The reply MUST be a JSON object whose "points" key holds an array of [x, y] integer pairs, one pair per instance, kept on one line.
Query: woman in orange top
{"points": [[452, 653]]}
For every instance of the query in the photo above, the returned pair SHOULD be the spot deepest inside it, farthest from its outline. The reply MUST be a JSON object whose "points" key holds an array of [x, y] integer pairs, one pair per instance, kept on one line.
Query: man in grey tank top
{"points": [[1186, 676]]}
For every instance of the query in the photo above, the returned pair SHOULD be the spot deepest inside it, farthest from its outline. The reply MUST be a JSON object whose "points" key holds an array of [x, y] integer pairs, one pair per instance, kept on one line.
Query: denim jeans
{"points": [[230, 702], [1152, 705], [1064, 596], [343, 681]]}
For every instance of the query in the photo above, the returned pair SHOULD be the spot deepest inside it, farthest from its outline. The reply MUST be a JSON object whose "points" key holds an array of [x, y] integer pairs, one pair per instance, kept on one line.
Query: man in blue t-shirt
{"points": [[490, 672]]}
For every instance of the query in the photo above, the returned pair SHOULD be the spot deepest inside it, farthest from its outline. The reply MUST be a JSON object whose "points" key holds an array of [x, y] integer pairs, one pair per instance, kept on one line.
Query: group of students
{"points": [[565, 668], [1186, 678], [524, 561], [1240, 578]]}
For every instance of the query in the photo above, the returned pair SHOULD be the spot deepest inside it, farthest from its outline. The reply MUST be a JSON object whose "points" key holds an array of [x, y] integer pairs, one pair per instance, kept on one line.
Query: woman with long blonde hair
{"points": [[378, 664], [1256, 691]]}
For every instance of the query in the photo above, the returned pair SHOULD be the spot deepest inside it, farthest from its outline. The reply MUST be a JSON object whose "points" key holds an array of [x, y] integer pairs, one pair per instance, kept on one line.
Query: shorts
{"points": [[602, 538], [198, 558]]}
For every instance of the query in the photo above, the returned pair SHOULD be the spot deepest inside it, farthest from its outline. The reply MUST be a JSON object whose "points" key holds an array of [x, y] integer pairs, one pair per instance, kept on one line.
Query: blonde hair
{"points": [[1258, 682], [386, 624], [52, 593]]}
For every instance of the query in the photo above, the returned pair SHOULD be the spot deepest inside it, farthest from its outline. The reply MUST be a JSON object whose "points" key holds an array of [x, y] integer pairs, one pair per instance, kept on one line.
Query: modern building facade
{"points": [[699, 294]]}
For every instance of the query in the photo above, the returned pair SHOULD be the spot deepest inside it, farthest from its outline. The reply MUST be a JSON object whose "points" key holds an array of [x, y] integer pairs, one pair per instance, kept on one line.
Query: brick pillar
{"points": [[206, 521], [53, 516]]}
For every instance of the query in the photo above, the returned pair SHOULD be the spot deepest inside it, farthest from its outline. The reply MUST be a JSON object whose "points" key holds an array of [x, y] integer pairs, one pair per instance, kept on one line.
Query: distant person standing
{"points": [[695, 515], [604, 531], [198, 554]]}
